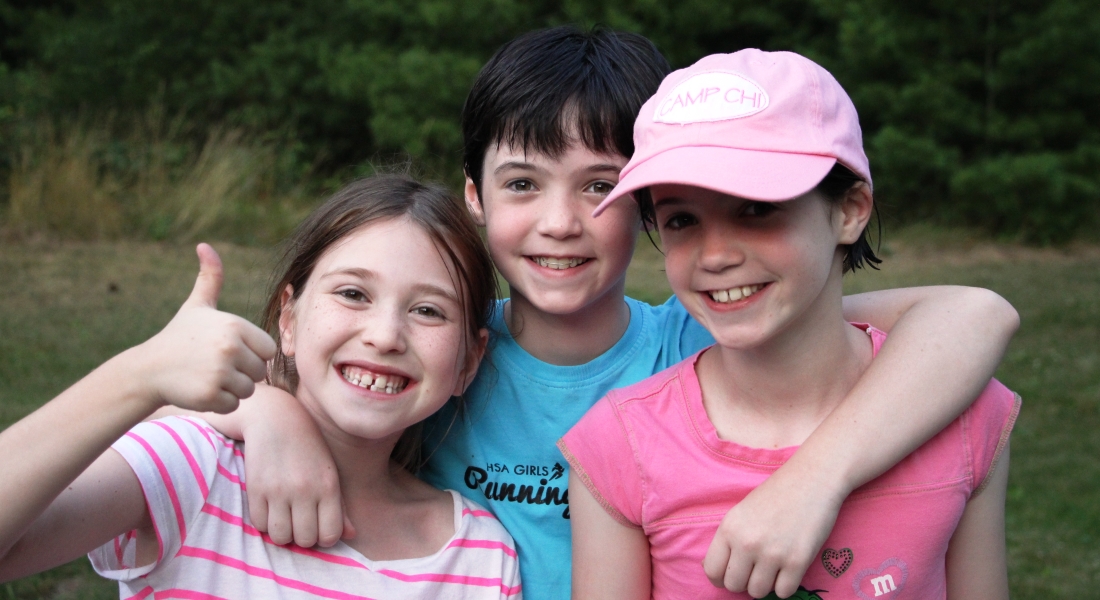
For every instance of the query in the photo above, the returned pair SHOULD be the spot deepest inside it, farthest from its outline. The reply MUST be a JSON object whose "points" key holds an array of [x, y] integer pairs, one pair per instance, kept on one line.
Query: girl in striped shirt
{"points": [[378, 319]]}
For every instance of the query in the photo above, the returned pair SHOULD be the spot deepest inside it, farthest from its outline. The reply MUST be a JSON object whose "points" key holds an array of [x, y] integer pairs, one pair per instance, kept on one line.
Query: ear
{"points": [[473, 202], [855, 212], [473, 359], [286, 321]]}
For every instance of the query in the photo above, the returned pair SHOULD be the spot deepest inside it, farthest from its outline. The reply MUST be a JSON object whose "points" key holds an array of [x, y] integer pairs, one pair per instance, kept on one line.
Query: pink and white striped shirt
{"points": [[193, 479]]}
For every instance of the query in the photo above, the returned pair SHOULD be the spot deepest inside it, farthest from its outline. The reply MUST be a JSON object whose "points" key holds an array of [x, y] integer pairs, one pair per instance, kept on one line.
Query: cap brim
{"points": [[749, 174]]}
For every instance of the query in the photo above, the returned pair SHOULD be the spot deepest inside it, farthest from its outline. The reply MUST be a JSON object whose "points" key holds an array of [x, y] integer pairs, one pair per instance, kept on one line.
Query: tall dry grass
{"points": [[148, 177]]}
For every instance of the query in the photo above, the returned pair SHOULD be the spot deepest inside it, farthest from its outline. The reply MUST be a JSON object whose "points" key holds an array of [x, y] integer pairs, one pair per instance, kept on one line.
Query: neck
{"points": [[363, 465], [569, 339], [775, 394]]}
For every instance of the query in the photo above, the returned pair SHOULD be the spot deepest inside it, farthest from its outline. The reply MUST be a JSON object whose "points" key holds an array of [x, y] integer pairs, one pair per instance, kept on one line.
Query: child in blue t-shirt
{"points": [[547, 128]]}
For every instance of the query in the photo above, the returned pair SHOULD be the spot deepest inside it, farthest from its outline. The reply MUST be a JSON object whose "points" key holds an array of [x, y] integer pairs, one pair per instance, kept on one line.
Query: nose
{"points": [[561, 215], [384, 328], [719, 249]]}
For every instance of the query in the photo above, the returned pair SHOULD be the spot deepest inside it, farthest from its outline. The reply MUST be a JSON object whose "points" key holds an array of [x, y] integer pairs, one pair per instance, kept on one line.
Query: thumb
{"points": [[208, 285]]}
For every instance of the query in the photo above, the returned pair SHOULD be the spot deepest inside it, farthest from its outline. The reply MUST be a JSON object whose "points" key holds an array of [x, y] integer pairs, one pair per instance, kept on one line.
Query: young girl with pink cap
{"points": [[751, 166]]}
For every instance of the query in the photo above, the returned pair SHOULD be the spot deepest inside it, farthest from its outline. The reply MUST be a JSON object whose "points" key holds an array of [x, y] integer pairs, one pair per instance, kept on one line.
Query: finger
{"points": [[303, 522], [258, 341], [716, 561], [330, 521], [238, 385], [736, 576], [224, 402], [257, 510], [208, 285], [248, 364], [278, 523], [762, 580], [789, 578]]}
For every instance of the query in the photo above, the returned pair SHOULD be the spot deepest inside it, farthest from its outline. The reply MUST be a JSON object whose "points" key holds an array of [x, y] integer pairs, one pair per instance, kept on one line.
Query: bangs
{"points": [[549, 89]]}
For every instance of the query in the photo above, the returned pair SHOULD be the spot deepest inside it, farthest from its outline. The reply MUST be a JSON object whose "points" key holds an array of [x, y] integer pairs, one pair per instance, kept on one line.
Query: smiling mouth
{"points": [[558, 263], [375, 382], [734, 294]]}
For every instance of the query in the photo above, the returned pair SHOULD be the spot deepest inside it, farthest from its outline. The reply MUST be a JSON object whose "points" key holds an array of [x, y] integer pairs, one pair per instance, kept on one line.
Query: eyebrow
{"points": [[673, 200], [604, 167], [526, 166], [424, 288], [515, 164]]}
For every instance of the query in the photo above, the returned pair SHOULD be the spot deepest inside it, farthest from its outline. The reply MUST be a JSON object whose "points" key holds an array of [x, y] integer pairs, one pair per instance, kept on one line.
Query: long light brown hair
{"points": [[438, 212]]}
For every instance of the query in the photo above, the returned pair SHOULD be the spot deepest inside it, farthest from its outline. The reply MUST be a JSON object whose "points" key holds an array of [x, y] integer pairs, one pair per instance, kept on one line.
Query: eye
{"points": [[352, 294], [679, 221], [759, 209], [429, 311], [520, 185], [602, 188]]}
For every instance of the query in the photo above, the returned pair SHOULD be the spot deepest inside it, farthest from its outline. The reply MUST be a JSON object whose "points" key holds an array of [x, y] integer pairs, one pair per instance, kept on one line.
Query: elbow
{"points": [[993, 310]]}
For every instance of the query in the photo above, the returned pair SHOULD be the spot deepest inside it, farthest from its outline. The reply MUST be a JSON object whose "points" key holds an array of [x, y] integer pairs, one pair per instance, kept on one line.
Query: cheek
{"points": [[679, 265], [618, 232], [504, 228]]}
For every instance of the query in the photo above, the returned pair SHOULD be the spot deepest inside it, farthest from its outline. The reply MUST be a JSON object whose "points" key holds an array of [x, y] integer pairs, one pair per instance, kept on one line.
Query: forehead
{"points": [[575, 155], [394, 250]]}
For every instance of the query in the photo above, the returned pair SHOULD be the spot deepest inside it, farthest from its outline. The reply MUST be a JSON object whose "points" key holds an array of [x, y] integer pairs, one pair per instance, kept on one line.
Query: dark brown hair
{"points": [[438, 212], [547, 87]]}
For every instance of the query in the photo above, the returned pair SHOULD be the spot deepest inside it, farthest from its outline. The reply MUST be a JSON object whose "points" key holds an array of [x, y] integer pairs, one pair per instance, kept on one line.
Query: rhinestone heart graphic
{"points": [[836, 562]]}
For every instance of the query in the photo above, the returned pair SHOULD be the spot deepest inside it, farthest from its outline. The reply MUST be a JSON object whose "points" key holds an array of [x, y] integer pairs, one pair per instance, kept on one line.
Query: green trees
{"points": [[983, 113]]}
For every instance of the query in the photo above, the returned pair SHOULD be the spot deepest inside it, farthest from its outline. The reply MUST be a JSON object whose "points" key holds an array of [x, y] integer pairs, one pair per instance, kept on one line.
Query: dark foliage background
{"points": [[983, 114]]}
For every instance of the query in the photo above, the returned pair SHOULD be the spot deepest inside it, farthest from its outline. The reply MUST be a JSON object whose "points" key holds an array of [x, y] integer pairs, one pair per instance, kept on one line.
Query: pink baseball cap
{"points": [[758, 125]]}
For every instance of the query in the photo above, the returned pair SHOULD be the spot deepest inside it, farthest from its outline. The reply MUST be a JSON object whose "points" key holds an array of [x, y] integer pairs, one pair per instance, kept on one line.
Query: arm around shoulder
{"points": [[945, 343]]}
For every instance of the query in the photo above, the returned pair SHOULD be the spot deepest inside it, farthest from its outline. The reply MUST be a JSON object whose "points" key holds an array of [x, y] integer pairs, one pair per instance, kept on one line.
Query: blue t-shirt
{"points": [[502, 452]]}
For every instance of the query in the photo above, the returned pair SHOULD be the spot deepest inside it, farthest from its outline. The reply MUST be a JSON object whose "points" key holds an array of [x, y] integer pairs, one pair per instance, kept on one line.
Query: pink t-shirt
{"points": [[193, 480], [653, 460]]}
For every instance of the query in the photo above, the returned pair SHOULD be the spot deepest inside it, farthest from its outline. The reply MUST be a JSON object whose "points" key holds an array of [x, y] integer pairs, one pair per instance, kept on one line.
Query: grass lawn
{"points": [[66, 308]]}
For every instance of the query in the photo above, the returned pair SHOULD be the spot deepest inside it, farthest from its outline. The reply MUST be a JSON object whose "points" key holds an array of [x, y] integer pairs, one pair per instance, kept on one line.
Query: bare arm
{"points": [[610, 560], [42, 454], [293, 488], [976, 567], [63, 532], [945, 343], [944, 346]]}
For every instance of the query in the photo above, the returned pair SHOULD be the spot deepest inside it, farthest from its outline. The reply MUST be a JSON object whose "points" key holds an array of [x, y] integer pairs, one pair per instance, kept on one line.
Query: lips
{"points": [[384, 383]]}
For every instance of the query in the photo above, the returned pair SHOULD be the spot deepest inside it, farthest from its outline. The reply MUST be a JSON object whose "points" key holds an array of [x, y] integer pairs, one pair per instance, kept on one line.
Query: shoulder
{"points": [[675, 329], [657, 386], [475, 514], [477, 522], [987, 425], [190, 438]]}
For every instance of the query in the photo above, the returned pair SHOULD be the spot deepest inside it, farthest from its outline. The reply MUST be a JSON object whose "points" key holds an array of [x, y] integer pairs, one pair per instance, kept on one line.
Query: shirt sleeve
{"points": [[599, 451], [511, 588], [988, 424], [175, 460]]}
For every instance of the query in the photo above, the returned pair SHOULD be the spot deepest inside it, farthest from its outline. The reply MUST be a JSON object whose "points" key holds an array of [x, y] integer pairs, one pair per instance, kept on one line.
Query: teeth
{"points": [[387, 384], [734, 294], [559, 263]]}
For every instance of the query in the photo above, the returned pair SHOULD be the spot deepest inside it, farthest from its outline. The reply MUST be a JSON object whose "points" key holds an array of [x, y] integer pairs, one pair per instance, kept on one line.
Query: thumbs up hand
{"points": [[205, 359]]}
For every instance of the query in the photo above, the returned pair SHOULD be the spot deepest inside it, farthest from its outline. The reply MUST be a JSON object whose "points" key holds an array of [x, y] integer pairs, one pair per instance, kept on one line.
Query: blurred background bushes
{"points": [[146, 119]]}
